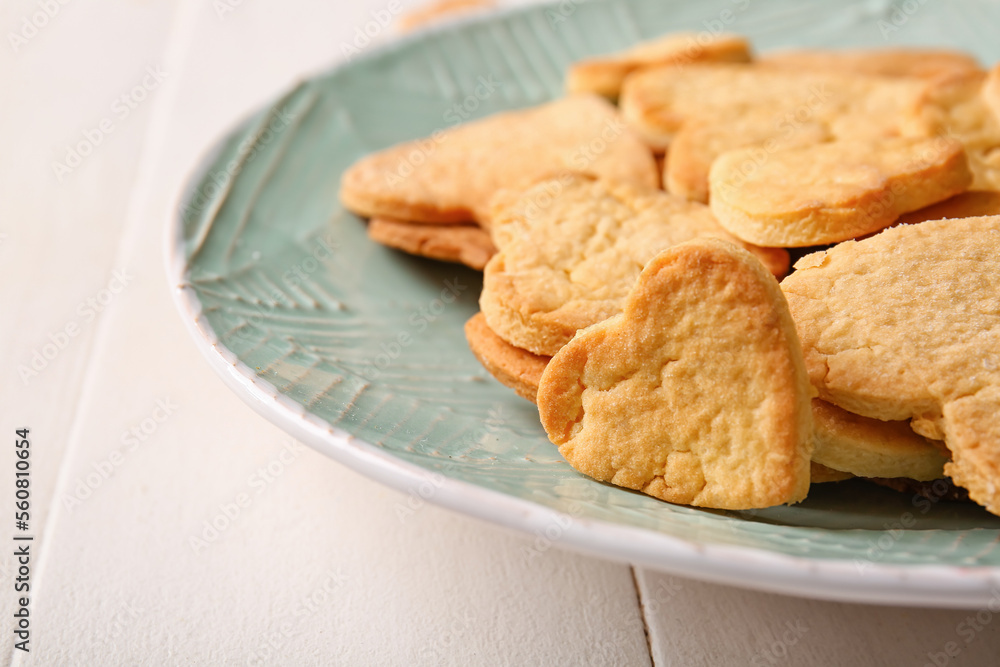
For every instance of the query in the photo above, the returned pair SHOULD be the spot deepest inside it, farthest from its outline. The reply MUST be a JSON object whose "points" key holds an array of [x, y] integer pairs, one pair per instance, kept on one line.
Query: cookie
{"points": [[571, 248], [969, 204], [451, 176], [906, 325], [869, 447], [699, 143], [442, 9], [696, 393], [463, 243], [832, 192], [604, 75], [656, 102], [923, 63], [960, 108], [820, 474], [516, 368], [991, 92]]}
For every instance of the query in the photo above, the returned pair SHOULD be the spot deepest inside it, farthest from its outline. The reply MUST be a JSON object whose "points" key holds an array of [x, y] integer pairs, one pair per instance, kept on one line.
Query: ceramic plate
{"points": [[359, 351]]}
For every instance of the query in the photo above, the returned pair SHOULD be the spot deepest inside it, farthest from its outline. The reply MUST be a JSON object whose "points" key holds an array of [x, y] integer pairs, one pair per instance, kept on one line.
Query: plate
{"points": [[358, 350]]}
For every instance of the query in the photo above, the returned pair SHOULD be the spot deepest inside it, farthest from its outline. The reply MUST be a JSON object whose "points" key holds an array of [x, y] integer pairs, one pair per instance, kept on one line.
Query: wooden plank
{"points": [[309, 563], [694, 623], [75, 112]]}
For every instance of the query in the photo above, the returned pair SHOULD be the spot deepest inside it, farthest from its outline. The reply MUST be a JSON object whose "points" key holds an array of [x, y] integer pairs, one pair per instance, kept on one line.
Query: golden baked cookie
{"points": [[922, 63], [820, 474], [696, 393], [466, 244], [832, 192], [969, 204], [450, 176], [441, 9], [991, 91], [869, 447], [960, 108], [699, 143], [604, 74], [906, 325], [656, 102], [571, 248], [516, 368]]}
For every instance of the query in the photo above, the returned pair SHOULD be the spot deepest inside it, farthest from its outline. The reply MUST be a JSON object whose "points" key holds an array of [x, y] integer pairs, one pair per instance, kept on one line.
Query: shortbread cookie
{"points": [[465, 244], [969, 204], [516, 368], [834, 191], [696, 393], [604, 74], [958, 108], [922, 63], [841, 438], [699, 143], [869, 447], [906, 325], [450, 176], [991, 92], [571, 248], [656, 102], [442, 9], [820, 474]]}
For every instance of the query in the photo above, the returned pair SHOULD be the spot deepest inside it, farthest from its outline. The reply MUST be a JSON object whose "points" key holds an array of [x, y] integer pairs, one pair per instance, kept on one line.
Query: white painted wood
{"points": [[316, 568], [693, 623], [59, 235]]}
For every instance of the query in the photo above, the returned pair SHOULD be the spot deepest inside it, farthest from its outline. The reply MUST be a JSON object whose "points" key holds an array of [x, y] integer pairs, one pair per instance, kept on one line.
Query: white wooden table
{"points": [[136, 446]]}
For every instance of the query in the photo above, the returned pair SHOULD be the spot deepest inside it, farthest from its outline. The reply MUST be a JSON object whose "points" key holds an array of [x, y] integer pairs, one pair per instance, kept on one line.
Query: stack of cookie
{"points": [[649, 325]]}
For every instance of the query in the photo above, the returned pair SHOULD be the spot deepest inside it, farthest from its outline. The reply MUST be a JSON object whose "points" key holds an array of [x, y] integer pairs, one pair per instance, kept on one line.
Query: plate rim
{"points": [[933, 586]]}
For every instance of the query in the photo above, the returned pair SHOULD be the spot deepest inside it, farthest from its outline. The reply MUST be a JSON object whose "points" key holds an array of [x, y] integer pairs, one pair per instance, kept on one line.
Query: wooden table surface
{"points": [[137, 446]]}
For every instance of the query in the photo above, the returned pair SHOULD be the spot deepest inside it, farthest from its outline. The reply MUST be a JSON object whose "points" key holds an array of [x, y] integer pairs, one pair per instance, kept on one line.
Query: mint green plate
{"points": [[358, 350]]}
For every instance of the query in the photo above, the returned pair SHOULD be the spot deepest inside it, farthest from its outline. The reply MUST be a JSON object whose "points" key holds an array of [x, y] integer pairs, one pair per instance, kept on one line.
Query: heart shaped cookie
{"points": [[906, 325], [696, 393], [833, 191], [604, 74], [450, 176], [571, 248]]}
